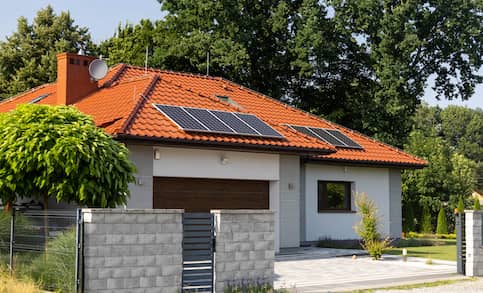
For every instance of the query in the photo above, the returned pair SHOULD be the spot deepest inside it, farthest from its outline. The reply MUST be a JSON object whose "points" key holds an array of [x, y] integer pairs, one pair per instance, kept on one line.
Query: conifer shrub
{"points": [[477, 205], [442, 227], [461, 205], [426, 226]]}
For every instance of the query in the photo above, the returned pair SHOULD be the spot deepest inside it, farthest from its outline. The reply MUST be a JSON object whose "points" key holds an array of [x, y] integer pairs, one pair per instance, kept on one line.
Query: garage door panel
{"points": [[195, 194]]}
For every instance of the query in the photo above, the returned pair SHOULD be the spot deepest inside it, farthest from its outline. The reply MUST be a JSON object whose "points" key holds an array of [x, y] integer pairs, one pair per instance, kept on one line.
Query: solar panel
{"points": [[331, 136], [304, 130], [327, 137], [349, 142], [234, 122], [258, 125], [209, 120], [39, 98], [203, 120], [182, 118]]}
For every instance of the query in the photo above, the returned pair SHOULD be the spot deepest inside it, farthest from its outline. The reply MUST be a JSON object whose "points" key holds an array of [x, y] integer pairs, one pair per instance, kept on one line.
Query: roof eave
{"points": [[367, 163], [216, 144]]}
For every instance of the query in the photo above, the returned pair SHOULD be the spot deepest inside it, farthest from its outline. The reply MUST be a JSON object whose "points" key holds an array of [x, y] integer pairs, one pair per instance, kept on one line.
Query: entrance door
{"points": [[203, 195]]}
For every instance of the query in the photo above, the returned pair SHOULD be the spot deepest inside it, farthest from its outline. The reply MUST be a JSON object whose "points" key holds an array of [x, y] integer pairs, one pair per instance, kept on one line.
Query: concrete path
{"points": [[309, 273]]}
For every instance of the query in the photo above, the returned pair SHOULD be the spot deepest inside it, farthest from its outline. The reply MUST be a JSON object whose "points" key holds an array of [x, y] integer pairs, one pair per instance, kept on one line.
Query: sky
{"points": [[103, 16]]}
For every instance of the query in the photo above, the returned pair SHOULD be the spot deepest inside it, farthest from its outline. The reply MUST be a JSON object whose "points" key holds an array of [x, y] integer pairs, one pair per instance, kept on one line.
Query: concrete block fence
{"points": [[132, 250], [474, 243], [245, 247], [140, 250]]}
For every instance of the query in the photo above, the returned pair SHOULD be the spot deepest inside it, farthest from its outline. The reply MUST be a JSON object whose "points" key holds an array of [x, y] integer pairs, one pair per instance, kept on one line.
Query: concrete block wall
{"points": [[245, 247], [132, 250], [474, 243]]}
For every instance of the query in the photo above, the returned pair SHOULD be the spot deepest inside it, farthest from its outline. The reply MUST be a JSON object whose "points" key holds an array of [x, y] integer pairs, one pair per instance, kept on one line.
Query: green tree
{"points": [[462, 128], [408, 218], [426, 225], [409, 41], [442, 226], [56, 151], [28, 56]]}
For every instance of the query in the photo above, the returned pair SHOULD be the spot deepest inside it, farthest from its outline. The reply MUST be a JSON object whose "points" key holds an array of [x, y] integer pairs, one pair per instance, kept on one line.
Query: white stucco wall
{"points": [[196, 163], [142, 189], [289, 201], [373, 181]]}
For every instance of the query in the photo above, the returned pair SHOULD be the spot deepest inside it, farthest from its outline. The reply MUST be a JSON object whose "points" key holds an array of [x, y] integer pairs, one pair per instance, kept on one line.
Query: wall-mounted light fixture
{"points": [[224, 160], [157, 154]]}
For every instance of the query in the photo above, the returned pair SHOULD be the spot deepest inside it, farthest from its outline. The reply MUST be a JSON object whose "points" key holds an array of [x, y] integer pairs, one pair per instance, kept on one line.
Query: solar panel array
{"points": [[331, 136], [203, 120]]}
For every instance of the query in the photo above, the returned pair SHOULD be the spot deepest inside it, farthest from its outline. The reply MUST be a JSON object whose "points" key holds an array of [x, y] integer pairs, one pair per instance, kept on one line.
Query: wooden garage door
{"points": [[202, 195]]}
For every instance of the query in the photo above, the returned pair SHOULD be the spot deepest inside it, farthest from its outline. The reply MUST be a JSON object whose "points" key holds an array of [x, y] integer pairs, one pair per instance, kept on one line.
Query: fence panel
{"points": [[43, 247]]}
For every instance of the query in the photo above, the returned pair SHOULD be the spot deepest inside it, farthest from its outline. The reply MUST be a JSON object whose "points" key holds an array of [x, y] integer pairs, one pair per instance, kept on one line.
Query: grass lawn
{"points": [[444, 249]]}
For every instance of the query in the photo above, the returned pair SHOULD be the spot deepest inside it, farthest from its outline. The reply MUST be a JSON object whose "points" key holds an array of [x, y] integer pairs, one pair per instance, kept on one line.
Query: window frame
{"points": [[322, 192]]}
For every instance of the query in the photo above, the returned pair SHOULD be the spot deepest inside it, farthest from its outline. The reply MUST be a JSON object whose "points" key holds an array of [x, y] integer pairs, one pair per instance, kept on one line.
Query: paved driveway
{"points": [[312, 271]]}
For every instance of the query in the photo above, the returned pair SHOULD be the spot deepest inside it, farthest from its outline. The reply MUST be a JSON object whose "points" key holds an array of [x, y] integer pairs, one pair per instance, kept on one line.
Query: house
{"points": [[202, 142]]}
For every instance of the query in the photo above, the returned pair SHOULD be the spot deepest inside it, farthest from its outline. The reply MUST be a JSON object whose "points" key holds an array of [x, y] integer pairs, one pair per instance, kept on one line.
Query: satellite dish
{"points": [[98, 69]]}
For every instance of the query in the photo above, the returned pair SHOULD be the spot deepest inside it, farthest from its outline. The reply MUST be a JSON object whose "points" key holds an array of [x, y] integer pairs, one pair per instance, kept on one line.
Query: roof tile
{"points": [[123, 106]]}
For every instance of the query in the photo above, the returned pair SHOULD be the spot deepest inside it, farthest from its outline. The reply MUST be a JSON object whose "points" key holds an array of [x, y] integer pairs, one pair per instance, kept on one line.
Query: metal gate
{"points": [[461, 243], [198, 252]]}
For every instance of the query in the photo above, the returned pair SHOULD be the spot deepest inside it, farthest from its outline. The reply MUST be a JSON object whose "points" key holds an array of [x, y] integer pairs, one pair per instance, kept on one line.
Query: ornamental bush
{"points": [[57, 151], [367, 228]]}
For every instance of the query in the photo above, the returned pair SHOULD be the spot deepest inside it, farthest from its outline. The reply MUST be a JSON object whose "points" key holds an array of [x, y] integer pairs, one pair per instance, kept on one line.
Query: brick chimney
{"points": [[73, 79]]}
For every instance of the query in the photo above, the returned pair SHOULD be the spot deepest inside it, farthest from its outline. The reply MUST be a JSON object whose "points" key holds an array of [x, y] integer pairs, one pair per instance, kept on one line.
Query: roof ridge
{"points": [[142, 99], [216, 100], [27, 92], [197, 75], [122, 67], [313, 116]]}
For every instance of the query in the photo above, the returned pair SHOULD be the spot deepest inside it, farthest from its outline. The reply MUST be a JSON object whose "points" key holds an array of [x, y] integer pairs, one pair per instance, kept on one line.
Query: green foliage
{"points": [[477, 205], [55, 268], [407, 42], [368, 227], [59, 152], [461, 205], [28, 56], [430, 236], [426, 226], [453, 158], [442, 226], [255, 287], [408, 218]]}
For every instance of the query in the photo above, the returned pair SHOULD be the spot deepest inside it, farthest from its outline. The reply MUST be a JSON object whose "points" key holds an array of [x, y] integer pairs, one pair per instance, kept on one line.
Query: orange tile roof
{"points": [[123, 106]]}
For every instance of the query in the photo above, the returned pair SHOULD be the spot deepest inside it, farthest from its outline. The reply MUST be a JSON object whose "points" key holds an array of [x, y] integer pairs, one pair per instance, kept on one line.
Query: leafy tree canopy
{"points": [[27, 57], [49, 151]]}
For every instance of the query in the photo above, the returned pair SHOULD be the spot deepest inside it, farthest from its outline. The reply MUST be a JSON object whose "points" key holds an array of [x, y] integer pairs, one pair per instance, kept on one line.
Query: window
{"points": [[334, 196]]}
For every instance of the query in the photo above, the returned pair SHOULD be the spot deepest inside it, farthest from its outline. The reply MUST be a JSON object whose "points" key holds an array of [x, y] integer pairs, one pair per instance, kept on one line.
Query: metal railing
{"points": [[42, 245]]}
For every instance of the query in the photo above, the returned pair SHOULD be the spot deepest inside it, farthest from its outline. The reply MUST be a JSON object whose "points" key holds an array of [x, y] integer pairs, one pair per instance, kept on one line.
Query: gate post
{"points": [[12, 239], [79, 256], [460, 243]]}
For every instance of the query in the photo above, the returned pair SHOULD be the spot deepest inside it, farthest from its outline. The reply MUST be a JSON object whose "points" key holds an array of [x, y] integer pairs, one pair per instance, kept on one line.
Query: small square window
{"points": [[334, 196]]}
